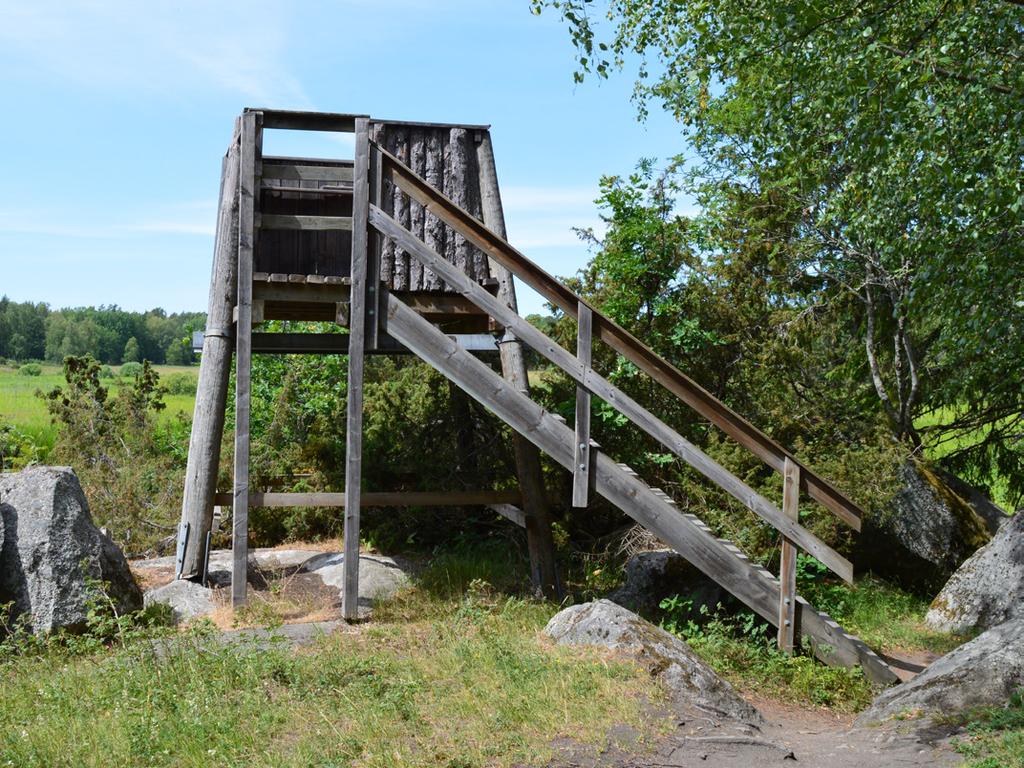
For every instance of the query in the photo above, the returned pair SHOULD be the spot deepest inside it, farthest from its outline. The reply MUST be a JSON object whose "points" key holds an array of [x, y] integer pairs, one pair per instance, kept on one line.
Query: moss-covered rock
{"points": [[926, 532], [986, 590]]}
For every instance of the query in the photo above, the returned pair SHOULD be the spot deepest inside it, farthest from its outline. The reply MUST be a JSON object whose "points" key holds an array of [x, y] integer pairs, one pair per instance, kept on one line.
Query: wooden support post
{"points": [[581, 460], [214, 373], [356, 350], [243, 355], [539, 542], [787, 569]]}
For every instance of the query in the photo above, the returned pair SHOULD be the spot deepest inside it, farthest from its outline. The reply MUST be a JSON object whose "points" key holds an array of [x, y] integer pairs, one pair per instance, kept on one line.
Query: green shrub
{"points": [[740, 648], [30, 369], [130, 370], [181, 384], [16, 448], [106, 372], [129, 463]]}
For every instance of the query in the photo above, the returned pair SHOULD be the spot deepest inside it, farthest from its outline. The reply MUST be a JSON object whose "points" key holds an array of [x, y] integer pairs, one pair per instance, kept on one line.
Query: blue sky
{"points": [[117, 115]]}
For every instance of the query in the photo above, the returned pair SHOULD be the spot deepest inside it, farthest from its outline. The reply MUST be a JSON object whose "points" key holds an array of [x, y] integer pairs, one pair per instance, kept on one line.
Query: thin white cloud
{"points": [[169, 48], [522, 198], [187, 218], [526, 232]]}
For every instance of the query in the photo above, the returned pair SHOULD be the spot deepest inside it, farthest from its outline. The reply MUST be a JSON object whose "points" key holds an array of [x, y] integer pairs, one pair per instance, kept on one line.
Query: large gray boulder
{"points": [[926, 533], [690, 680], [654, 575], [52, 549], [988, 589], [982, 673]]}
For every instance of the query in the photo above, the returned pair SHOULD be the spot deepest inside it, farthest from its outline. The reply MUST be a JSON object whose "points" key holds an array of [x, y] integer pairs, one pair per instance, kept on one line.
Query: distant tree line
{"points": [[111, 335]]}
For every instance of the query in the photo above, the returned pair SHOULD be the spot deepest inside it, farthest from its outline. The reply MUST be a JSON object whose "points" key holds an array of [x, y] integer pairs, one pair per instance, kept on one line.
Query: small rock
{"points": [[689, 679], [51, 550], [981, 673], [988, 589], [187, 599]]}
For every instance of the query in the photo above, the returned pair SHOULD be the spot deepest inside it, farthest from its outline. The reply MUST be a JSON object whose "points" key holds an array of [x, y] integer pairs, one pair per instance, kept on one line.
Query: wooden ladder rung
{"points": [[305, 223]]}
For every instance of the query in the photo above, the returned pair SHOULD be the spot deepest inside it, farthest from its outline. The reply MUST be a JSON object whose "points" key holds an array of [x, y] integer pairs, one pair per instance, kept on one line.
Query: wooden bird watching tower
{"points": [[405, 246], [293, 244]]}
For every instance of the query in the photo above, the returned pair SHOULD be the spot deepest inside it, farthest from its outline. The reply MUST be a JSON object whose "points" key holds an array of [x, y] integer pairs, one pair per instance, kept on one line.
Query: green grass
{"points": [[20, 407], [882, 615], [995, 736], [453, 681], [742, 648], [937, 446]]}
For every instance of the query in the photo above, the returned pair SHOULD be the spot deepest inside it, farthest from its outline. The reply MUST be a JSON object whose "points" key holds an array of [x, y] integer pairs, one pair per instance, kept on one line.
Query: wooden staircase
{"points": [[351, 216], [767, 595]]}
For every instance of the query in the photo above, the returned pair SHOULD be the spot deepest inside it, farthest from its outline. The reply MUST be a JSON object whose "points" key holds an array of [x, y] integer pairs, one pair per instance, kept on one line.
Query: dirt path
{"points": [[792, 736]]}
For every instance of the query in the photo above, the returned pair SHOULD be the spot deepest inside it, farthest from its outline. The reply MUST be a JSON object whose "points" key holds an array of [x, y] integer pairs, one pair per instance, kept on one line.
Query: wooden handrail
{"points": [[586, 377], [619, 339]]}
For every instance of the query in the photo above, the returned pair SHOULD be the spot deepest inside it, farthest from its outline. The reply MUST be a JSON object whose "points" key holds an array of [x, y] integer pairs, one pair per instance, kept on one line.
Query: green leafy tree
{"points": [[887, 138], [179, 352], [131, 351], [22, 330]]}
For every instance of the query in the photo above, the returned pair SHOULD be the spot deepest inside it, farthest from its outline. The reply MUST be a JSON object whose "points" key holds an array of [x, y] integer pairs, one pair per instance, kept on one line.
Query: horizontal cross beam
{"points": [[380, 499]]}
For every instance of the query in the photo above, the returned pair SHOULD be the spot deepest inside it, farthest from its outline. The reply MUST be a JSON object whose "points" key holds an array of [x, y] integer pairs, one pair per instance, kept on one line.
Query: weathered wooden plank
{"points": [[510, 512], [457, 172], [306, 223], [357, 340], [256, 316], [581, 458], [483, 498], [375, 245], [308, 193], [334, 289], [400, 271], [214, 371], [387, 257], [593, 382], [433, 227], [418, 163], [787, 568], [287, 172], [539, 542], [294, 120], [620, 340], [755, 589], [243, 357], [337, 343], [300, 343]]}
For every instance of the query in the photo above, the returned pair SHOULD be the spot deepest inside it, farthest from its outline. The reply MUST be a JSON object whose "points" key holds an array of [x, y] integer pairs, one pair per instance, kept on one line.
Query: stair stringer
{"points": [[749, 583]]}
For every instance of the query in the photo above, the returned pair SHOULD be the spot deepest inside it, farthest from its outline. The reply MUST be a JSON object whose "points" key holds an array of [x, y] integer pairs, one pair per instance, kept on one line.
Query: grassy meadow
{"points": [[20, 406], [447, 674]]}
